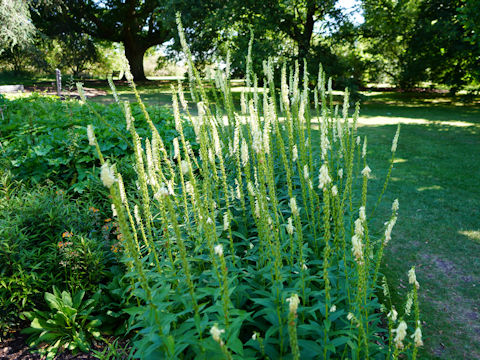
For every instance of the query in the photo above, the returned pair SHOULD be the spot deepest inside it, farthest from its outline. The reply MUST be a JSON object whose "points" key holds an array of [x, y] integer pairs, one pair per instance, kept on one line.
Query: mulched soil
{"points": [[15, 348]]}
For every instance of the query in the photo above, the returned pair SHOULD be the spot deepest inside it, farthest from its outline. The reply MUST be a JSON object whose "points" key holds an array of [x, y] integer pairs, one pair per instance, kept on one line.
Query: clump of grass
{"points": [[251, 246]]}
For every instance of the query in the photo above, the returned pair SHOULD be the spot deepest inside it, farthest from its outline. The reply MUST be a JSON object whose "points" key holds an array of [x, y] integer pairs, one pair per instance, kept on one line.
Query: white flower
{"points": [[401, 332], [393, 315], [417, 336], [304, 267], [366, 172], [162, 192], [357, 248], [340, 173], [350, 316], [358, 140], [107, 175], [250, 188], [361, 213], [91, 135], [219, 250], [395, 139], [290, 226], [364, 149], [251, 246], [237, 190], [184, 167], [359, 228], [389, 228], [176, 148], [293, 206], [81, 92], [128, 114], [334, 190], [409, 303], [395, 205], [257, 209], [114, 211], [323, 177], [216, 333], [136, 213], [226, 221], [305, 172], [293, 302], [209, 220], [294, 153], [244, 152], [254, 336], [333, 308], [412, 278], [243, 103]]}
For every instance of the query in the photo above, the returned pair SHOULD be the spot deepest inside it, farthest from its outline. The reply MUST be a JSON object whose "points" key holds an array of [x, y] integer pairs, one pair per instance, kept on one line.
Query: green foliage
{"points": [[15, 24], [68, 324], [244, 242], [49, 239], [44, 138], [439, 49]]}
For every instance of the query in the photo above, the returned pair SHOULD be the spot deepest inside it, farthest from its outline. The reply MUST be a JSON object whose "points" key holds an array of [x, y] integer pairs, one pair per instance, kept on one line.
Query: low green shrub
{"points": [[48, 238], [69, 323], [260, 247], [43, 138]]}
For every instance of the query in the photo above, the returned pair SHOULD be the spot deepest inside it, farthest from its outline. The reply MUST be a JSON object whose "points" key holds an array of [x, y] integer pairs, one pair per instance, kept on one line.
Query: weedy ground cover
{"points": [[43, 138], [258, 243]]}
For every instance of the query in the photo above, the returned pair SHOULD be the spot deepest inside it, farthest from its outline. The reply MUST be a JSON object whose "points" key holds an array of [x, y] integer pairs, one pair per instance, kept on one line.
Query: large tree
{"points": [[283, 29], [16, 27], [137, 24], [440, 49]]}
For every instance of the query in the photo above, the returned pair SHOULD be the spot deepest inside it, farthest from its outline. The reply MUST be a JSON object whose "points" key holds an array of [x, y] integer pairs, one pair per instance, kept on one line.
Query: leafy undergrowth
{"points": [[44, 138]]}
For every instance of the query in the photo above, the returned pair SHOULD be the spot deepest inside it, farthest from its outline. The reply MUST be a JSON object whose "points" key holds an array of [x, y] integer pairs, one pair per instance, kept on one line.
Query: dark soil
{"points": [[15, 347]]}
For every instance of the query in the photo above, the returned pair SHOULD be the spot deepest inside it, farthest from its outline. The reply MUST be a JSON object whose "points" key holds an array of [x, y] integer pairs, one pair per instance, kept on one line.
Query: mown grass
{"points": [[436, 180]]}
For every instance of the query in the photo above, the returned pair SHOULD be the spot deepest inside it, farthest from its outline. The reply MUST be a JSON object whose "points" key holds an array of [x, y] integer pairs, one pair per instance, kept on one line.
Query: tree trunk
{"points": [[134, 54]]}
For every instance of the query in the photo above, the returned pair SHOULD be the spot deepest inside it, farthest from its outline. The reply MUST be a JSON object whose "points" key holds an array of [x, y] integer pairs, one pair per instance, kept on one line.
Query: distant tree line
{"points": [[402, 42]]}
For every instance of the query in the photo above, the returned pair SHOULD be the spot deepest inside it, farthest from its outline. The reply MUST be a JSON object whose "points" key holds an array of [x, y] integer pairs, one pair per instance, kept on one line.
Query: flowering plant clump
{"points": [[259, 230]]}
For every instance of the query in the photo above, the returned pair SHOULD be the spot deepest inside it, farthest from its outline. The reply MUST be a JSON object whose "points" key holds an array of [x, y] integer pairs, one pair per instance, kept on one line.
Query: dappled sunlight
{"points": [[471, 234], [399, 160], [432, 187], [381, 120]]}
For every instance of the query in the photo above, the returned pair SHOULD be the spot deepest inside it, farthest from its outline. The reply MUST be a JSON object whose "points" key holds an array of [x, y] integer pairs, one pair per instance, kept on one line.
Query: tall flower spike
{"points": [[216, 333], [401, 332], [290, 226], [417, 336], [244, 152], [395, 206], [293, 302], [412, 278], [90, 135], [219, 250], [366, 172], [323, 178], [107, 175], [293, 206], [294, 153], [357, 248], [395, 139]]}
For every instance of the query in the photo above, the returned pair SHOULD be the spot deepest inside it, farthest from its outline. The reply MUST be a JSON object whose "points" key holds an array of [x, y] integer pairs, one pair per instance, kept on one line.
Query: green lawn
{"points": [[436, 180]]}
